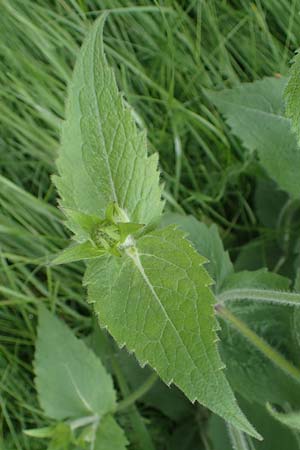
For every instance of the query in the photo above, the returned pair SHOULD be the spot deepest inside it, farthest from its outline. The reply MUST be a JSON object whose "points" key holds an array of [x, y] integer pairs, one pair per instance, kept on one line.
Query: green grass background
{"points": [[165, 53]]}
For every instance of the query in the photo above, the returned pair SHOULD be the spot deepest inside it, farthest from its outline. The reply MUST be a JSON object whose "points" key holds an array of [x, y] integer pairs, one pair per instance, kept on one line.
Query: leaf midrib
{"points": [[135, 256]]}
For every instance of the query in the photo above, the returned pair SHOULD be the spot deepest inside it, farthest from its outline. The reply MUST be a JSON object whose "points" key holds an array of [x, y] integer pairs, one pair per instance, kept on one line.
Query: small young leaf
{"points": [[40, 433], [255, 113], [110, 435], [156, 300], [292, 96], [78, 253], [128, 228], [103, 156], [70, 379]]}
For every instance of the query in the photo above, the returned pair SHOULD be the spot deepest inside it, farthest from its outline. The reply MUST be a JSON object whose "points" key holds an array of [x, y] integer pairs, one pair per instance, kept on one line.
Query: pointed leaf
{"points": [[40, 432], [103, 156], [127, 228], [255, 113], [78, 253], [156, 300], [70, 379]]}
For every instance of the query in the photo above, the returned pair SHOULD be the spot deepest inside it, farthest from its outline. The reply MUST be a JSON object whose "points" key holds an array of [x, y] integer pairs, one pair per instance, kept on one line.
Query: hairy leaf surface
{"points": [[156, 300], [255, 113], [70, 379]]}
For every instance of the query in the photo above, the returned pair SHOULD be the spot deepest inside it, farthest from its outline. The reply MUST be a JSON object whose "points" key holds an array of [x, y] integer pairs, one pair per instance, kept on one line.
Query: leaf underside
{"points": [[255, 113]]}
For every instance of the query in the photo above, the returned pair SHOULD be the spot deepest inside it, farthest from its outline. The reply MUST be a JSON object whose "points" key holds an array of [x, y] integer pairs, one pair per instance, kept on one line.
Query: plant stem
{"points": [[83, 421], [136, 395], [142, 435], [237, 438], [261, 295], [259, 343]]}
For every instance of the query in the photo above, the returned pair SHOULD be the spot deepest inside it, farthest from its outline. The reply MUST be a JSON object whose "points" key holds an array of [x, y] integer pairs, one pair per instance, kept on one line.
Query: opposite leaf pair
{"points": [[110, 235], [155, 296]]}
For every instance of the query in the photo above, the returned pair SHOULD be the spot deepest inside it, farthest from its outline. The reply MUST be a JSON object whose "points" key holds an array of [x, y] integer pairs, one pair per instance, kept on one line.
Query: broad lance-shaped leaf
{"points": [[103, 156], [292, 96], [255, 113], [70, 379], [156, 300]]}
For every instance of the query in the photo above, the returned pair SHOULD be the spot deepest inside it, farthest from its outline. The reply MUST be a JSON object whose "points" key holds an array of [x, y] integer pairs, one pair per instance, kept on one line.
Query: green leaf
{"points": [[292, 96], [110, 435], [208, 243], [103, 156], [40, 432], [70, 379], [255, 113], [78, 252], [127, 228], [290, 419], [156, 300]]}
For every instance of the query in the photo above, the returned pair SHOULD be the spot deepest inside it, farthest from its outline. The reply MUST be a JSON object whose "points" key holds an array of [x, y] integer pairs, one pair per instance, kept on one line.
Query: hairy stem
{"points": [[258, 342], [261, 295]]}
